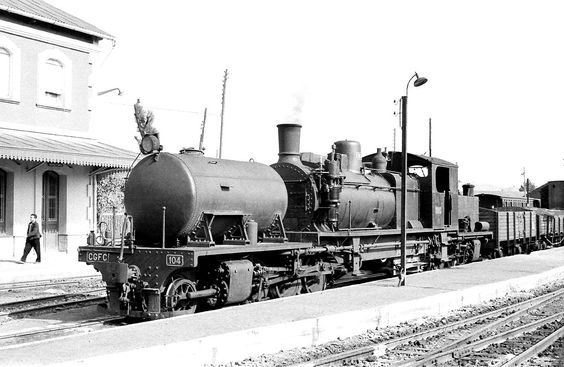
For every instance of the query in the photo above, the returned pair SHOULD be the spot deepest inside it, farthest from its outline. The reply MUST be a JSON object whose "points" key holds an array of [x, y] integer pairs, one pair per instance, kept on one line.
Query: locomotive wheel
{"points": [[314, 284], [286, 289], [176, 295]]}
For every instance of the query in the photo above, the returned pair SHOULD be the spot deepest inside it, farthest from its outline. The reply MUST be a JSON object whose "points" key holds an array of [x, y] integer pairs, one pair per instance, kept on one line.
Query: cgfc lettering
{"points": [[97, 256]]}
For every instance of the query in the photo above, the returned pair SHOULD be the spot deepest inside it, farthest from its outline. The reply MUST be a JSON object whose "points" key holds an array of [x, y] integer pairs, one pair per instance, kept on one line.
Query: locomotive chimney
{"points": [[468, 190], [289, 143]]}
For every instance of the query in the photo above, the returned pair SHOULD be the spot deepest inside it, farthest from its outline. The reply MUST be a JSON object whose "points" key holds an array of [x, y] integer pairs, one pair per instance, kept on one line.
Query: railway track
{"points": [[50, 303], [45, 283], [77, 295], [41, 333], [504, 337]]}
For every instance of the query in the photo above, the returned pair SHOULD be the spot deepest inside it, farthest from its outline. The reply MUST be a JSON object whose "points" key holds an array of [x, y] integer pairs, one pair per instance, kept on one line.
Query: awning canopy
{"points": [[66, 149]]}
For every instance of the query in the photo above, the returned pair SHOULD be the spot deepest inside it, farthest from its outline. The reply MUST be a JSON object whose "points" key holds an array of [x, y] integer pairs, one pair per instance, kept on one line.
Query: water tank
{"points": [[190, 184]]}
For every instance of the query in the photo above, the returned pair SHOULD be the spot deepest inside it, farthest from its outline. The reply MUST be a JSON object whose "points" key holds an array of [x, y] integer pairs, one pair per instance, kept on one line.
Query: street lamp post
{"points": [[418, 82], [120, 93]]}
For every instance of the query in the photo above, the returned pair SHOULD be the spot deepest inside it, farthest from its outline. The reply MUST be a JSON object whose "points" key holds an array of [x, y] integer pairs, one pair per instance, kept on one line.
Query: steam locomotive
{"points": [[206, 232]]}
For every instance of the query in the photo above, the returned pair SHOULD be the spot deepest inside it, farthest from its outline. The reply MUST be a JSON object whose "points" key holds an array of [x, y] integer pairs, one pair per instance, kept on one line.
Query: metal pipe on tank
{"points": [[164, 223], [350, 214], [289, 143]]}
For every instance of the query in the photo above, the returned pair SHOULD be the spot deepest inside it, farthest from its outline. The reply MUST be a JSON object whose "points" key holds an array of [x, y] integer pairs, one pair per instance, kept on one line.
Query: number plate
{"points": [[99, 257], [174, 260]]}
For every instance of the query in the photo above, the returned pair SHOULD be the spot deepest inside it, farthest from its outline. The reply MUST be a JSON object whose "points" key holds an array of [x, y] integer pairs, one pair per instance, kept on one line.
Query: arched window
{"points": [[54, 83], [10, 59], [54, 79], [3, 180], [50, 201], [5, 72]]}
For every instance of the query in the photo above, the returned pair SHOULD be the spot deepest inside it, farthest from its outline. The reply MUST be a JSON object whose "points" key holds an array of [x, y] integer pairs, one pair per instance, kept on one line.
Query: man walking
{"points": [[32, 239]]}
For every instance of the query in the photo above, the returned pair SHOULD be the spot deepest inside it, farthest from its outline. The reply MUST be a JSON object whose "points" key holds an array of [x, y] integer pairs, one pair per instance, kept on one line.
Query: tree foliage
{"points": [[110, 193], [530, 186]]}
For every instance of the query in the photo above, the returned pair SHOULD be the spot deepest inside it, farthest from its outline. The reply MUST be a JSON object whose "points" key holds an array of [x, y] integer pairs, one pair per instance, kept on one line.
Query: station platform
{"points": [[235, 333], [52, 267]]}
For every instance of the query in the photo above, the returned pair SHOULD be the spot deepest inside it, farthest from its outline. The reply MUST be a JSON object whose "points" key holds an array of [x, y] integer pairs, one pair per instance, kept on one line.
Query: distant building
{"points": [[506, 199], [551, 194], [48, 163]]}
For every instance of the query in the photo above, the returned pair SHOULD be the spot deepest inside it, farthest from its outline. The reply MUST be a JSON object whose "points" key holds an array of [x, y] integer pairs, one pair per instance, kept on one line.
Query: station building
{"points": [[48, 162]]}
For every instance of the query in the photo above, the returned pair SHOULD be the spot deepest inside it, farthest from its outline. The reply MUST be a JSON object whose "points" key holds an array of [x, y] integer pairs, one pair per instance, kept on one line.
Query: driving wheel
{"points": [[176, 295]]}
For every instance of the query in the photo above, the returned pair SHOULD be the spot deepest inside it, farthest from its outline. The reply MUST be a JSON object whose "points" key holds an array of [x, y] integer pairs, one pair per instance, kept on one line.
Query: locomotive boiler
{"points": [[337, 191]]}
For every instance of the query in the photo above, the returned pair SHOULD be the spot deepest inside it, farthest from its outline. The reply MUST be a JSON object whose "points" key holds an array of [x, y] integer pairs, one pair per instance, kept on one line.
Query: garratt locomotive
{"points": [[210, 232]]}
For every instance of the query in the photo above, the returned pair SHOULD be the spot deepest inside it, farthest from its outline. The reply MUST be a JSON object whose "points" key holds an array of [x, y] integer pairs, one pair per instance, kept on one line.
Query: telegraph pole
{"points": [[222, 109], [526, 185], [527, 188]]}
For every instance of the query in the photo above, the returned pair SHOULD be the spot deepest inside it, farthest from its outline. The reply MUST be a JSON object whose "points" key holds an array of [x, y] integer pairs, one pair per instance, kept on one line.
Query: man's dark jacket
{"points": [[33, 231]]}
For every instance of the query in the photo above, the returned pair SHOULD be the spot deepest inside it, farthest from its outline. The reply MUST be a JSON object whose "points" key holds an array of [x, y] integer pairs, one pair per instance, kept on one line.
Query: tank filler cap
{"points": [[191, 150]]}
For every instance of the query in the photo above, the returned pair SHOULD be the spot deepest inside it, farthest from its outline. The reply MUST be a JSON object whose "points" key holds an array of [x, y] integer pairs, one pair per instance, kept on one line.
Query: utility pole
{"points": [[394, 139], [526, 185], [201, 146], [527, 188], [222, 109], [430, 127]]}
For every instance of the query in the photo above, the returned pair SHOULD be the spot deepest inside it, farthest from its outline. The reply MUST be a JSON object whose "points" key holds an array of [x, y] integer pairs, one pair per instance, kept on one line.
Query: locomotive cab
{"points": [[438, 182]]}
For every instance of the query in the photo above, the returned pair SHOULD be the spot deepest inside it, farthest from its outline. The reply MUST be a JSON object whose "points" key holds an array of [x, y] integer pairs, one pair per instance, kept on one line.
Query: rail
{"points": [[461, 345]]}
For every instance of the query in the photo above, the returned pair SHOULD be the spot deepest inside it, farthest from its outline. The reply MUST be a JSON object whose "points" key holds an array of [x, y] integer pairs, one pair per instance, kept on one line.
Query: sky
{"points": [[494, 95]]}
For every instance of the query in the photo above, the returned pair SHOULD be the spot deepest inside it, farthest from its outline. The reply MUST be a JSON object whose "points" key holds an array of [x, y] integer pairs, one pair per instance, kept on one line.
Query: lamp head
{"points": [[419, 81]]}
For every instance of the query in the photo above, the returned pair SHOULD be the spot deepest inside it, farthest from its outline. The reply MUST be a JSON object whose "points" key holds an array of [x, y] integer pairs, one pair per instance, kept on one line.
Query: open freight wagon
{"points": [[522, 230]]}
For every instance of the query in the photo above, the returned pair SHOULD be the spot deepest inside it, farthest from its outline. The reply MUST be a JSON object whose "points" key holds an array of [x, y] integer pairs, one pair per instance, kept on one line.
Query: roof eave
{"points": [[60, 24]]}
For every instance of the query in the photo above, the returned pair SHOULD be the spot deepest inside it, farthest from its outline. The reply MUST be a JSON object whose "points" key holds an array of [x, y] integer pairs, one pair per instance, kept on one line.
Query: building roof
{"points": [[413, 159], [52, 148], [508, 209], [44, 12], [504, 194], [555, 182]]}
